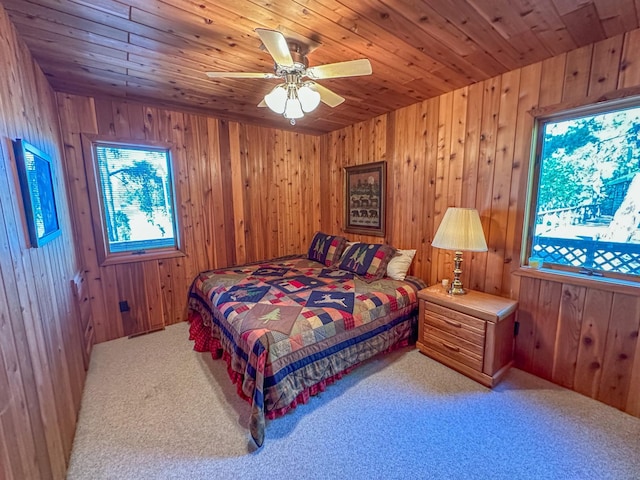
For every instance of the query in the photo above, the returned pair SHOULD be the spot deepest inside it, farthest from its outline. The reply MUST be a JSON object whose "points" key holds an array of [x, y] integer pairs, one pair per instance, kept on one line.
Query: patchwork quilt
{"points": [[288, 327]]}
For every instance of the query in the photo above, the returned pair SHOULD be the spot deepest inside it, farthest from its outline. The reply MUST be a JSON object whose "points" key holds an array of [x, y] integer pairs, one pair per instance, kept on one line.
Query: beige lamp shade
{"points": [[460, 229]]}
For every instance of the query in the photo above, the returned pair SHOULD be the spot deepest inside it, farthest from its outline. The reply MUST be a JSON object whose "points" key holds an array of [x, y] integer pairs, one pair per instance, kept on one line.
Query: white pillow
{"points": [[399, 265]]}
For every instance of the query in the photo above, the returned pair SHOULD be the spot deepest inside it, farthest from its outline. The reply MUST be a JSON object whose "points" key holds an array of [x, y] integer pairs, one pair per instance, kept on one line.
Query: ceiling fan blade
{"points": [[240, 75], [276, 45], [327, 96], [352, 68]]}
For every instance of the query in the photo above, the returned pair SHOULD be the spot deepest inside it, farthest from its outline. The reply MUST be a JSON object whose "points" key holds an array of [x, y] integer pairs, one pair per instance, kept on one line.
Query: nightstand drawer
{"points": [[465, 320], [453, 351], [456, 324], [474, 346]]}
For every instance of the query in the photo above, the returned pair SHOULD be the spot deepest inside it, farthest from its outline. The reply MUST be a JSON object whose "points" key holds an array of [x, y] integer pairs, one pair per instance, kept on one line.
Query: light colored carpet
{"points": [[155, 409]]}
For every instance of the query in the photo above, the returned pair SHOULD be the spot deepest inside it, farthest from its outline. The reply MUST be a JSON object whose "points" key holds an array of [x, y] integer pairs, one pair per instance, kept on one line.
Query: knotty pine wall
{"points": [[471, 148], [41, 367], [247, 194]]}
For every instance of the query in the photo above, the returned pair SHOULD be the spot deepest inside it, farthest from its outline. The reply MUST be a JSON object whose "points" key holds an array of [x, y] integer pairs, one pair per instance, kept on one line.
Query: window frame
{"points": [[559, 115], [98, 216]]}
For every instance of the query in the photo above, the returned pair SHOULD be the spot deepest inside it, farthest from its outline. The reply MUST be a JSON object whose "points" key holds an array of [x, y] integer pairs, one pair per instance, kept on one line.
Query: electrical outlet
{"points": [[124, 306]]}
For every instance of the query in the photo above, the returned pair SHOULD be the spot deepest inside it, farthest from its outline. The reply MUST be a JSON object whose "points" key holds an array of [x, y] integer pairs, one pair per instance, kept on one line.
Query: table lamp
{"points": [[459, 230]]}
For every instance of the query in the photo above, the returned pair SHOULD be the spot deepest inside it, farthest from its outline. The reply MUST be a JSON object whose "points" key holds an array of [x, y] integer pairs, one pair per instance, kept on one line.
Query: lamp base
{"points": [[456, 286]]}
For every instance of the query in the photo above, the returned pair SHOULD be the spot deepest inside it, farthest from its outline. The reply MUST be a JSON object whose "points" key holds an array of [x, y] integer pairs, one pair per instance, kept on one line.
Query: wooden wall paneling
{"points": [[310, 181], [338, 150], [50, 348], [114, 321], [503, 170], [416, 238], [265, 153], [568, 337], [255, 179], [22, 435], [139, 285], [527, 319], [286, 191], [238, 195], [576, 74], [486, 167], [546, 319], [214, 216], [104, 117], [275, 145], [48, 308], [75, 112], [28, 329], [620, 349], [7, 459], [295, 189], [39, 339], [633, 398], [198, 184], [130, 289], [304, 164], [552, 80], [397, 165], [473, 134], [425, 256], [120, 119], [402, 177], [327, 191], [593, 337], [414, 167], [443, 259], [332, 162], [71, 335], [305, 158], [630, 62], [137, 121], [456, 162], [266, 180], [153, 293], [605, 66], [292, 169], [181, 268], [459, 109], [227, 191], [527, 99]]}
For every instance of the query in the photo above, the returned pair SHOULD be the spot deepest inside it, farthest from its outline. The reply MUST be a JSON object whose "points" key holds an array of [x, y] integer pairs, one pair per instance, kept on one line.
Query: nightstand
{"points": [[471, 333]]}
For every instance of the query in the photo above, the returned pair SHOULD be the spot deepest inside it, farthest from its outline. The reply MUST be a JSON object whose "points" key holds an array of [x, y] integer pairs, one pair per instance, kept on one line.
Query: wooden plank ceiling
{"points": [[157, 51]]}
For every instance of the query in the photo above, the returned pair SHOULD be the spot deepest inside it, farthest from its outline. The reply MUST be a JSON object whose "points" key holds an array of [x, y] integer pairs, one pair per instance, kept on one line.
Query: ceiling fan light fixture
{"points": [[276, 99], [309, 98], [293, 109]]}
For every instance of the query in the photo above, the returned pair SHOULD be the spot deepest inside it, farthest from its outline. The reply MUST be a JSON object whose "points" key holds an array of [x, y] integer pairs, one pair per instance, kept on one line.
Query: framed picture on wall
{"points": [[364, 198], [38, 192]]}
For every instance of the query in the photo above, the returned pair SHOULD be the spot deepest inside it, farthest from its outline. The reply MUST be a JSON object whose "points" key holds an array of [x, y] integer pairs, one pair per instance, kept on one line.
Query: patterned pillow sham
{"points": [[326, 249], [367, 260]]}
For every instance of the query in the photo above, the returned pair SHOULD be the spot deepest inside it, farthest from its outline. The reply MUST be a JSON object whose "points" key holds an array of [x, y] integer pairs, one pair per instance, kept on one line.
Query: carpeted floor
{"points": [[155, 409]]}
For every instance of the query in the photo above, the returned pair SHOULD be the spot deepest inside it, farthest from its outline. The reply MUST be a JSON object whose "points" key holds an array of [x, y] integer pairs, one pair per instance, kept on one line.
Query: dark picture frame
{"points": [[38, 192], [365, 198]]}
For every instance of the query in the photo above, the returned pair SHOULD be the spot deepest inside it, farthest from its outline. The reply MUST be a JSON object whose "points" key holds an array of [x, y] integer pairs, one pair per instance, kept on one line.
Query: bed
{"points": [[289, 327]]}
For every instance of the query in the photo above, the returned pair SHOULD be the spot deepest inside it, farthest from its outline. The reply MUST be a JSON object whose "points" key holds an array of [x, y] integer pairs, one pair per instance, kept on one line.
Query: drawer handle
{"points": [[452, 323], [451, 347]]}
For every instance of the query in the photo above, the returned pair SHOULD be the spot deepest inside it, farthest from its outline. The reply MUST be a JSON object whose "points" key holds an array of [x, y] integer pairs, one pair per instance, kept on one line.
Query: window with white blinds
{"points": [[136, 196]]}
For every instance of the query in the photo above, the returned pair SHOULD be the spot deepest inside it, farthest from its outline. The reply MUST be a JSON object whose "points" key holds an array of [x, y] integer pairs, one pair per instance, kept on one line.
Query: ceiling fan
{"points": [[299, 94]]}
